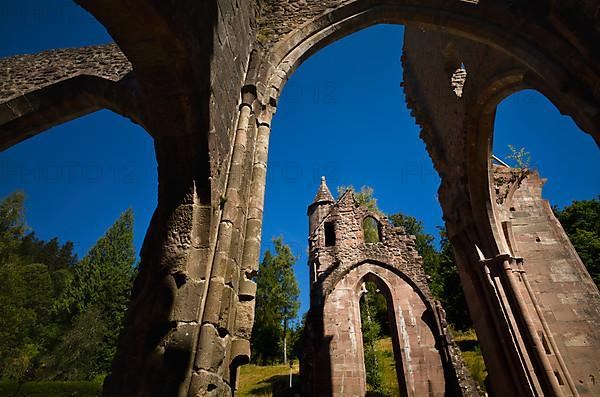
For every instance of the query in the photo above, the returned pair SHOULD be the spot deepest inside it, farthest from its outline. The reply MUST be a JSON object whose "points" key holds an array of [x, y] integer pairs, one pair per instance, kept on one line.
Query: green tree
{"points": [[371, 330], [276, 302], [581, 222], [29, 285], [97, 295], [12, 225], [296, 339]]}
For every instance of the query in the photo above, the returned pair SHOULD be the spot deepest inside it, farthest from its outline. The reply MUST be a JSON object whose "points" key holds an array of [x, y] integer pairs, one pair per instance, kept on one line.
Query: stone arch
{"points": [[521, 57], [480, 131], [421, 289], [525, 46], [178, 52], [43, 90], [471, 21], [419, 365], [27, 115], [399, 345]]}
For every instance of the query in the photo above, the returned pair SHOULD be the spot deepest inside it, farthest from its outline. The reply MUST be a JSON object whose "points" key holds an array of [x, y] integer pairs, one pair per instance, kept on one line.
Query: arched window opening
{"points": [[380, 365], [371, 230], [329, 234], [326, 147], [544, 173]]}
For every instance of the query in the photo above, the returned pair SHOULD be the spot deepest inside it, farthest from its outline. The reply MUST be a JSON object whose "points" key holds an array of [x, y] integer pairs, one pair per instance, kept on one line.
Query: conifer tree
{"points": [[276, 303], [97, 298]]}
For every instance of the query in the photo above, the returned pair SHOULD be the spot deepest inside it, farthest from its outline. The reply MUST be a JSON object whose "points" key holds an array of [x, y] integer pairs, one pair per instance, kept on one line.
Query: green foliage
{"points": [[378, 308], [51, 389], [519, 156], [78, 356], [296, 339], [471, 354], [96, 299], [446, 287], [60, 318], [476, 366], [272, 380], [276, 302], [32, 274], [387, 363], [424, 243], [581, 222], [12, 226], [371, 331], [26, 296], [371, 230]]}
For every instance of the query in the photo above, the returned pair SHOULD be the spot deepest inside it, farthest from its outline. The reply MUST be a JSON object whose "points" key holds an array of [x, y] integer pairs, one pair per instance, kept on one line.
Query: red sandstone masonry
{"points": [[426, 364]]}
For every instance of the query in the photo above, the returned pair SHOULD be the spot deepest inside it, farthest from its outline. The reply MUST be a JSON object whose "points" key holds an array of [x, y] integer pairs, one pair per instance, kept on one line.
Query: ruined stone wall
{"points": [[396, 249], [430, 64], [189, 322], [21, 74], [279, 17], [564, 295], [228, 312], [428, 365], [42, 90], [464, 124], [421, 364]]}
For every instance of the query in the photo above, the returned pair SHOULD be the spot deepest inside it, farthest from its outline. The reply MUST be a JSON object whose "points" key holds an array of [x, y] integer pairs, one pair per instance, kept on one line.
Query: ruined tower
{"points": [[341, 260]]}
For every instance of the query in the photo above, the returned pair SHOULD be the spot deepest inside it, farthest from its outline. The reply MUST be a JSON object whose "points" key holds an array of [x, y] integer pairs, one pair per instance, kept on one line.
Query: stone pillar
{"points": [[156, 347], [229, 311], [220, 344]]}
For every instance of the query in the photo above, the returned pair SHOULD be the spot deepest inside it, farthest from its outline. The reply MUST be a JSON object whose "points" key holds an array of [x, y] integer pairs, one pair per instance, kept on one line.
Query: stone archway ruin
{"points": [[427, 360], [204, 79]]}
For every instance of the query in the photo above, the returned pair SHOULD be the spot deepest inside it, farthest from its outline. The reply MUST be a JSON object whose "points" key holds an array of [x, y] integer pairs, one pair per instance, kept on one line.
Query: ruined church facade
{"points": [[204, 79], [349, 246]]}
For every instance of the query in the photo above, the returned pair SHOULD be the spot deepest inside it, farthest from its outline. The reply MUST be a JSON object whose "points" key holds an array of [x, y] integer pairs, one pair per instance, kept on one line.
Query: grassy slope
{"points": [[257, 380], [467, 342], [471, 353], [261, 381], [385, 355]]}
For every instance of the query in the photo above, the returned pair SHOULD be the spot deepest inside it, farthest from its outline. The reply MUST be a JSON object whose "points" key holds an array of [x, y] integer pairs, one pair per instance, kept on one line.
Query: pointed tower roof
{"points": [[323, 194]]}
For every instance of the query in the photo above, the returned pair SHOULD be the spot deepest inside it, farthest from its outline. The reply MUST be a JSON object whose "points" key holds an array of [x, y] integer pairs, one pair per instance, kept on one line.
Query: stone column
{"points": [[223, 343], [257, 192], [491, 317], [156, 347]]}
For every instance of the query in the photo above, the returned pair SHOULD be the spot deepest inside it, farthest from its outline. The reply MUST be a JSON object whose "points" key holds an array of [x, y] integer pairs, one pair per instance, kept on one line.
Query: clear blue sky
{"points": [[80, 176]]}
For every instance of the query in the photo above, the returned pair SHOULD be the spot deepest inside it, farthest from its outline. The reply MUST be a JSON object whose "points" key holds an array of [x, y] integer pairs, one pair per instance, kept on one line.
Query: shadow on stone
{"points": [[276, 386]]}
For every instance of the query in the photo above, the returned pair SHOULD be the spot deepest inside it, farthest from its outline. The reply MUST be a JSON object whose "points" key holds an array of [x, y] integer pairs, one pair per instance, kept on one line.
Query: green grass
{"points": [[474, 362], [50, 389], [385, 355], [270, 380], [471, 353]]}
